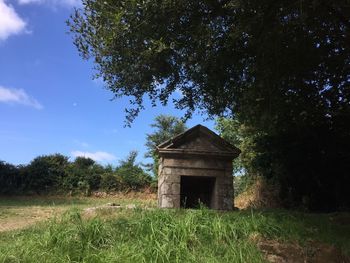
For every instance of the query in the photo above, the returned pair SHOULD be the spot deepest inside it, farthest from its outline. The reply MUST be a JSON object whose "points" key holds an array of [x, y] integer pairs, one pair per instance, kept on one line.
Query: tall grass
{"points": [[151, 236]]}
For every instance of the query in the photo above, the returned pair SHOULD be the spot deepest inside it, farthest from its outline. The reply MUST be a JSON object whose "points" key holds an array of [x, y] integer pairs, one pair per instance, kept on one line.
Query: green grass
{"points": [[18, 212], [166, 236], [24, 201], [63, 201]]}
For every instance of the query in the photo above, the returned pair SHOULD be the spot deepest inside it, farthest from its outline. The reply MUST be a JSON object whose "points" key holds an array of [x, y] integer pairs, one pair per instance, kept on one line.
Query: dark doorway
{"points": [[196, 190]]}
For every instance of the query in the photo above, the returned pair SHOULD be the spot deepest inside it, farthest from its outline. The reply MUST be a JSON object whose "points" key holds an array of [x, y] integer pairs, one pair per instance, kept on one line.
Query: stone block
{"points": [[172, 178], [175, 188], [170, 201], [160, 181], [227, 203]]}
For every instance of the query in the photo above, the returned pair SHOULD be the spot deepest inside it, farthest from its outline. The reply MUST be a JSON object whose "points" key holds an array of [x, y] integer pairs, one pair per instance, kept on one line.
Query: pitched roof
{"points": [[187, 142]]}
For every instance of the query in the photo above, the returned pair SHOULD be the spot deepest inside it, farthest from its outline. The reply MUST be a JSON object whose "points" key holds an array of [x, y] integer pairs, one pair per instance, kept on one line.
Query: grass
{"points": [[140, 235], [22, 211], [65, 201]]}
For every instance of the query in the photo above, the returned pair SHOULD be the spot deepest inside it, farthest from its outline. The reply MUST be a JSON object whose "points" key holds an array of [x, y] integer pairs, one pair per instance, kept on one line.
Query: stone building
{"points": [[196, 167]]}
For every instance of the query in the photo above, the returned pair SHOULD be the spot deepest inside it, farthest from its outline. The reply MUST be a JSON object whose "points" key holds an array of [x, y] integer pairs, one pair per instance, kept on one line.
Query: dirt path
{"points": [[312, 252]]}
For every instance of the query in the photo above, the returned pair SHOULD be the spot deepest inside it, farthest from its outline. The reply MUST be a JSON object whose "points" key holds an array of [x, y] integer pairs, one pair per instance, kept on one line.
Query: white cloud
{"points": [[97, 156], [68, 3], [18, 96], [10, 22]]}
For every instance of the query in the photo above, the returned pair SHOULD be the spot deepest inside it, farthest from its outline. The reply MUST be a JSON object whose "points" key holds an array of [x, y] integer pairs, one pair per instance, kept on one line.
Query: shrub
{"points": [[131, 174], [10, 178], [45, 173], [110, 182]]}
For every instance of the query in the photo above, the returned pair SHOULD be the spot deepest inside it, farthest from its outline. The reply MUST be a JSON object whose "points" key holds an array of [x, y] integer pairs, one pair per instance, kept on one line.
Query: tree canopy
{"points": [[165, 127], [223, 55], [55, 174]]}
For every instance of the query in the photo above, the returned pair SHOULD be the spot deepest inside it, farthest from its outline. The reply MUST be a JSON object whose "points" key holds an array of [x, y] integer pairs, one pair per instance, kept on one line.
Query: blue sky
{"points": [[48, 100]]}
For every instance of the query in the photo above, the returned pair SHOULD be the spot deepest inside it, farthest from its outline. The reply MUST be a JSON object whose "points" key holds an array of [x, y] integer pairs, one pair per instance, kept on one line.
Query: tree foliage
{"points": [[44, 173], [11, 178], [309, 165], [84, 174], [131, 174], [245, 138], [262, 58], [52, 174], [242, 137], [165, 127]]}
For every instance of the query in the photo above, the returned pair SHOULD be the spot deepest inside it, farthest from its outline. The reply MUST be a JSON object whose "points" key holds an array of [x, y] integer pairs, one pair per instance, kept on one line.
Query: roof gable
{"points": [[199, 139]]}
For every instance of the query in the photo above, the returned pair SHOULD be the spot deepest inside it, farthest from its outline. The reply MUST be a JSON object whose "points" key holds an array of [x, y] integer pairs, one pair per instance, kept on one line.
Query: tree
{"points": [[131, 174], [10, 178], [84, 162], [110, 182], [280, 68], [84, 174], [45, 173], [245, 138], [242, 137], [222, 55], [166, 127]]}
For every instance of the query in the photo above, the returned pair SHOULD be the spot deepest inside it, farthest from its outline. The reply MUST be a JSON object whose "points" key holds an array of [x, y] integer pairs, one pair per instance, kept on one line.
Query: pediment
{"points": [[199, 139]]}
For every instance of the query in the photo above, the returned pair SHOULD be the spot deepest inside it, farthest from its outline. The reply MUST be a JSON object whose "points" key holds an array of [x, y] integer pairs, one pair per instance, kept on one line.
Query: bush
{"points": [[10, 178], [242, 183], [54, 173], [110, 182], [45, 173], [83, 175], [131, 174]]}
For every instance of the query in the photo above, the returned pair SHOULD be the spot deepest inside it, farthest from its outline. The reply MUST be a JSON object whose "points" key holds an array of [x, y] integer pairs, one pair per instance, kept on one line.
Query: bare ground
{"points": [[312, 252], [13, 218]]}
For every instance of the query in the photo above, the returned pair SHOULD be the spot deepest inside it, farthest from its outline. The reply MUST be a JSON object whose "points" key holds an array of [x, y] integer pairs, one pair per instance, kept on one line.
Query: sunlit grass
{"points": [[18, 212], [138, 235]]}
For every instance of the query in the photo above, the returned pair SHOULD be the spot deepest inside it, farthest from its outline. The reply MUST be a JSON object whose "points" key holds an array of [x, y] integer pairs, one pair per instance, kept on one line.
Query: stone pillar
{"points": [[168, 189]]}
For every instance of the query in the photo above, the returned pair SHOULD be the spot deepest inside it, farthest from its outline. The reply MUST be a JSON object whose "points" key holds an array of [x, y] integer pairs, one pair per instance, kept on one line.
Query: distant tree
{"points": [[84, 162], [243, 137], [46, 173], [10, 178], [166, 127], [131, 174], [84, 174], [110, 181]]}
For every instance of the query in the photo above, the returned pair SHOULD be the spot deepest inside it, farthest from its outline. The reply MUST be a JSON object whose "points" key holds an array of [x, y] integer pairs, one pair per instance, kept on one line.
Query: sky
{"points": [[49, 102]]}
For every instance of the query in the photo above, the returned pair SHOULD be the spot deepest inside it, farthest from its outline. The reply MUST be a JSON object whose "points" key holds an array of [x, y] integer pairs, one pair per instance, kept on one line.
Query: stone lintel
{"points": [[193, 153], [197, 163], [178, 172]]}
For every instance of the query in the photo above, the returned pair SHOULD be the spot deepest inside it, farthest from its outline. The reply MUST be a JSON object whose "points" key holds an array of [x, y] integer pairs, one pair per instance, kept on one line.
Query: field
{"points": [[62, 229], [20, 212]]}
